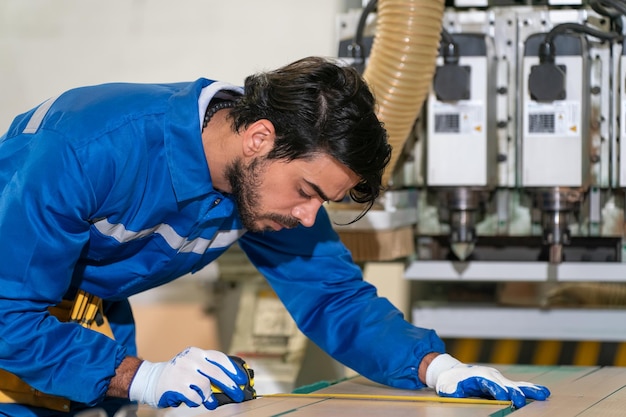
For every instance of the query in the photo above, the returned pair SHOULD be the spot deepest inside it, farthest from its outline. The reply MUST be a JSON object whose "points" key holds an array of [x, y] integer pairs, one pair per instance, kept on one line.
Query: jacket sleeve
{"points": [[45, 201], [313, 274]]}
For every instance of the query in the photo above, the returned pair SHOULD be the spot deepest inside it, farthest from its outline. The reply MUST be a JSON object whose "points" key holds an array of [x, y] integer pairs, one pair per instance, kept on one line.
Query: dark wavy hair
{"points": [[318, 106]]}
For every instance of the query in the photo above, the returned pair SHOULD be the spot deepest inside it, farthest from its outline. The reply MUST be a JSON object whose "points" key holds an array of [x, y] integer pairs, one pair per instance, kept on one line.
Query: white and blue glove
{"points": [[187, 378], [451, 378]]}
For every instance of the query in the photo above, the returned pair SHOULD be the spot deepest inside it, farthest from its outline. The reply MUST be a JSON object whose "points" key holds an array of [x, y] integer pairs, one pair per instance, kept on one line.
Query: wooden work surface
{"points": [[576, 391]]}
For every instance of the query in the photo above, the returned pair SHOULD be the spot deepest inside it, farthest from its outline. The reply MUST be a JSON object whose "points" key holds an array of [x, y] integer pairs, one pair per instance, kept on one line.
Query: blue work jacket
{"points": [[107, 189]]}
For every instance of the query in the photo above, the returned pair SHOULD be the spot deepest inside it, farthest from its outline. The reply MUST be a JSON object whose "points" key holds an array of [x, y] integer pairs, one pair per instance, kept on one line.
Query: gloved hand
{"points": [[187, 378], [451, 378]]}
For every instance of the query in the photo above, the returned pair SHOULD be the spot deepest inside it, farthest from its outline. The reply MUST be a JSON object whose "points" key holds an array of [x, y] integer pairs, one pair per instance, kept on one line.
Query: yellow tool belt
{"points": [[85, 309]]}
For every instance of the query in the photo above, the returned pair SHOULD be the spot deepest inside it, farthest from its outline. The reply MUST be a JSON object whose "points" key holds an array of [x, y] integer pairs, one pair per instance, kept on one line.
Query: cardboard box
{"points": [[379, 245]]}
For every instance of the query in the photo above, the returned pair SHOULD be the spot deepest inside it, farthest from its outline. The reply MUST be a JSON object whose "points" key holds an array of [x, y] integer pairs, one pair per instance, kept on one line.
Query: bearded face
{"points": [[246, 183]]}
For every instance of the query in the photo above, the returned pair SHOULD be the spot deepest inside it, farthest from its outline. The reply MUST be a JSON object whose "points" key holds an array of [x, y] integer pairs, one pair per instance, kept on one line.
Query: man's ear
{"points": [[258, 138]]}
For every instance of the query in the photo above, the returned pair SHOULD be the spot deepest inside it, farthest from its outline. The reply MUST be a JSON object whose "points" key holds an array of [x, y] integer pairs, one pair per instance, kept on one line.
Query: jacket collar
{"points": [[183, 137]]}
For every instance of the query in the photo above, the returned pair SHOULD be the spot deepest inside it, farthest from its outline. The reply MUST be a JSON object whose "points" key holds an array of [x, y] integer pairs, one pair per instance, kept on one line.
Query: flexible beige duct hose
{"points": [[402, 64]]}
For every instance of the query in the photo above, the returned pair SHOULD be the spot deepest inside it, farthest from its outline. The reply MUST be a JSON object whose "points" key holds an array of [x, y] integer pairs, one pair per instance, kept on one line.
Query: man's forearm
{"points": [[421, 371], [124, 375]]}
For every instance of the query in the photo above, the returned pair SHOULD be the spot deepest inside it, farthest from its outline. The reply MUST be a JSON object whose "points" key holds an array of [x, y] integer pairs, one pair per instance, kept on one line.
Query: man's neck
{"points": [[220, 146]]}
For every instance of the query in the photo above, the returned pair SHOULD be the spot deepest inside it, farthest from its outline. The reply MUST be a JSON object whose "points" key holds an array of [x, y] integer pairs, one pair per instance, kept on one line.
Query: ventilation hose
{"points": [[402, 65]]}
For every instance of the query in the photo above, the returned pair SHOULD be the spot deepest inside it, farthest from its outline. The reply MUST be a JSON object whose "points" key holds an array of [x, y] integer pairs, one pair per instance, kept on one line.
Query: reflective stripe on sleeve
{"points": [[35, 121], [222, 238]]}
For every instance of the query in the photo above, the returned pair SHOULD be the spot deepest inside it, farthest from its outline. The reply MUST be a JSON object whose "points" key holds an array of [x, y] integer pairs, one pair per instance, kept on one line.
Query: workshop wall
{"points": [[48, 46]]}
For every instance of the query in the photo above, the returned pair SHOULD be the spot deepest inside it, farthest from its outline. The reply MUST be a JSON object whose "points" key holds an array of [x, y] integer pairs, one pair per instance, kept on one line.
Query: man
{"points": [[111, 190]]}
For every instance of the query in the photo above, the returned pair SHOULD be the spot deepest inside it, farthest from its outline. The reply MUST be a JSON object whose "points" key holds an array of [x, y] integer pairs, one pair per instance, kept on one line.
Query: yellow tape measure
{"points": [[394, 398]]}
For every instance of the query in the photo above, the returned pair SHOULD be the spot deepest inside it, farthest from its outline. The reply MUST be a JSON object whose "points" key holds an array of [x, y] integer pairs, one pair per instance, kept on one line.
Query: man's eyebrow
{"points": [[319, 192]]}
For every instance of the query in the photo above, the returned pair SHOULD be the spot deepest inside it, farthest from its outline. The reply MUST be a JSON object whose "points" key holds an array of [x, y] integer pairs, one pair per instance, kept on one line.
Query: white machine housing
{"points": [[461, 144], [555, 134]]}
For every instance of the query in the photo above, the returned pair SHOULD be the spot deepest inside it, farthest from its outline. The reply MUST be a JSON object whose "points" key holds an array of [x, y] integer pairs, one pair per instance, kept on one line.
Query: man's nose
{"points": [[306, 213]]}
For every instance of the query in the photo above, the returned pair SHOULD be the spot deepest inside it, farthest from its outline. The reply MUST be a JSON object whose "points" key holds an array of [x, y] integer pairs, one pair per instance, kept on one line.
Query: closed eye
{"points": [[303, 194]]}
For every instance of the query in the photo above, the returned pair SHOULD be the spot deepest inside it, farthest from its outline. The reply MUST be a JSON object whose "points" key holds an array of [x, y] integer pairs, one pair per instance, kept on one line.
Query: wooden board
{"points": [[576, 391], [580, 392]]}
